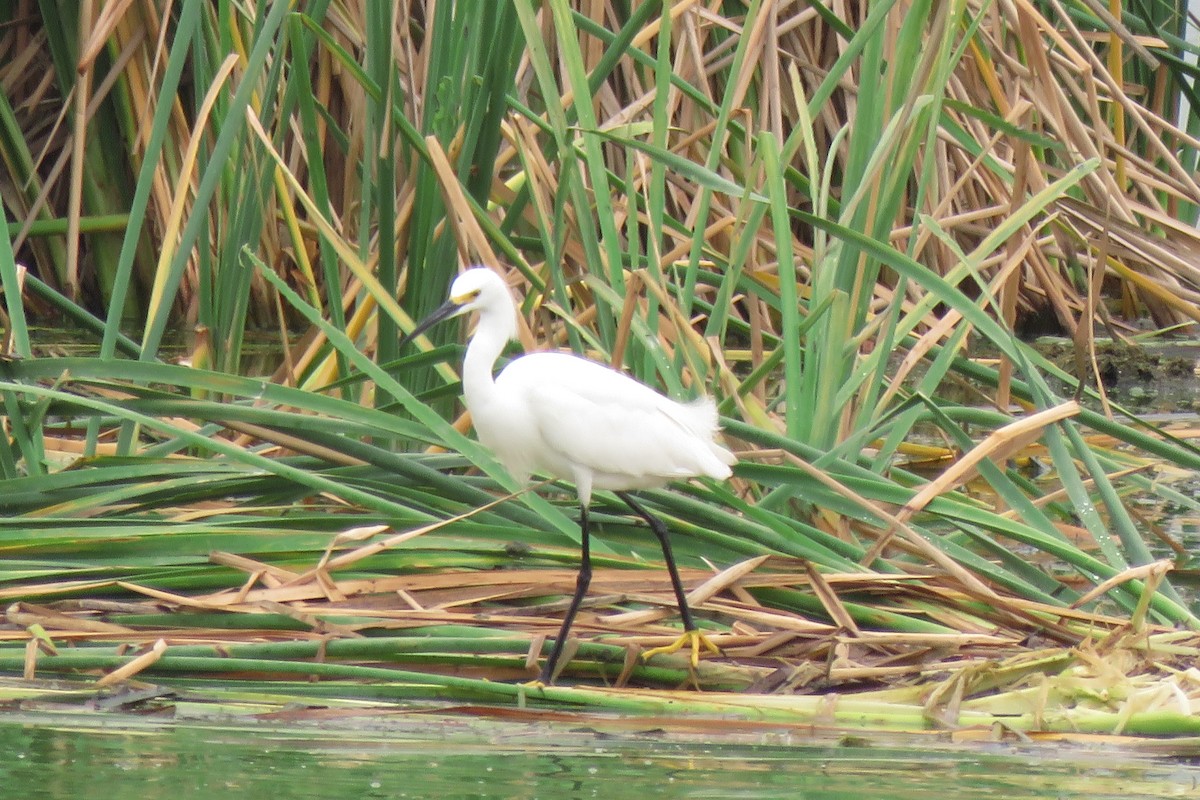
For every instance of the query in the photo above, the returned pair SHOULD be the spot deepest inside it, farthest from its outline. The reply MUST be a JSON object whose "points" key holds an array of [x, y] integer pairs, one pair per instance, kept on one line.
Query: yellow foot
{"points": [[695, 639]]}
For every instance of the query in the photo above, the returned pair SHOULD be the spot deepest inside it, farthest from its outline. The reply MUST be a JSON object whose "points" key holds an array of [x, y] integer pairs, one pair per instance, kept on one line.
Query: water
{"points": [[47, 759]]}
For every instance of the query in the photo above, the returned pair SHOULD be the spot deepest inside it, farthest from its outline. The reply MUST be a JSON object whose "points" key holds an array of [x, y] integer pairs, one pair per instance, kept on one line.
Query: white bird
{"points": [[567, 417]]}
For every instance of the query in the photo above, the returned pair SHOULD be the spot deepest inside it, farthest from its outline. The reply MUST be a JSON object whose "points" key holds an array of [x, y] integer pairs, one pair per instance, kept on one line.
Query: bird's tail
{"points": [[703, 421]]}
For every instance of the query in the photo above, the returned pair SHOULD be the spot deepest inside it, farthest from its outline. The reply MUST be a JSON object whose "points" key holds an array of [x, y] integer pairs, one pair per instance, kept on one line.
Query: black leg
{"points": [[660, 531], [582, 580]]}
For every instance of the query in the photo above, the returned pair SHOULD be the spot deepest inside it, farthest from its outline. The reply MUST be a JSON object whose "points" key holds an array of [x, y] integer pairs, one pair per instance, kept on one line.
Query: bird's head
{"points": [[478, 289]]}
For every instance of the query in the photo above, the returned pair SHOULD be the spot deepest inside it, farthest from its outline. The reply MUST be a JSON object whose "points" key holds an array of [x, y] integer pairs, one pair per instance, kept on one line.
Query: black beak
{"points": [[445, 311]]}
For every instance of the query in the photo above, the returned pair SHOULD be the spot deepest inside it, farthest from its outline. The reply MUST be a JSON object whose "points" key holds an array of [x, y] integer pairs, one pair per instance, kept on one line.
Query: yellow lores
{"points": [[561, 415]]}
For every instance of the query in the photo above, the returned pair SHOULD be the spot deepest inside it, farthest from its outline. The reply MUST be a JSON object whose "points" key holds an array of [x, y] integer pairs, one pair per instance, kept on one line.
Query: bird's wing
{"points": [[609, 423]]}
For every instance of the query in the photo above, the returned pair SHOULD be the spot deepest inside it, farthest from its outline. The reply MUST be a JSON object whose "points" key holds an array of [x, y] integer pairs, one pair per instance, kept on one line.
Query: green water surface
{"points": [[122, 758]]}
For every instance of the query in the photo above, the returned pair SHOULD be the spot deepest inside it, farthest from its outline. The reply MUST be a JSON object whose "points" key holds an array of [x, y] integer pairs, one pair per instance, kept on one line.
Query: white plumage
{"points": [[561, 415], [571, 418]]}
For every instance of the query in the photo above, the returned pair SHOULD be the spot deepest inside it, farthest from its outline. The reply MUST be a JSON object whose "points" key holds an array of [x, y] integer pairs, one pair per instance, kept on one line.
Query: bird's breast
{"points": [[511, 436]]}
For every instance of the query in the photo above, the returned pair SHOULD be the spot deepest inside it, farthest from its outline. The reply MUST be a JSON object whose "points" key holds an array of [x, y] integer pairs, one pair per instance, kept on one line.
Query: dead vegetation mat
{"points": [[996, 668]]}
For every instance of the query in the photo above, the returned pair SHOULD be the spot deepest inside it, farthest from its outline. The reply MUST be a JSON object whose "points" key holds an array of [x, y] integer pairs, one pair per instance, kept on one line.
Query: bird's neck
{"points": [[493, 333]]}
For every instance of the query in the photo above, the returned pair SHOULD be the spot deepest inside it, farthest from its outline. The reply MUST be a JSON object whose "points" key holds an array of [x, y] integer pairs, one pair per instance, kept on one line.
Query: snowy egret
{"points": [[564, 416]]}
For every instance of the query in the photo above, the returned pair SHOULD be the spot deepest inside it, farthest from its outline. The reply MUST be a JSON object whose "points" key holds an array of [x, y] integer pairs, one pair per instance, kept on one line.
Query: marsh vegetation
{"points": [[831, 219]]}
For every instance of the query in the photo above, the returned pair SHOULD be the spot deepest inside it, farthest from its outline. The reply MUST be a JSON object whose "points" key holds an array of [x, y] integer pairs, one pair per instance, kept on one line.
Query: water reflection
{"points": [[177, 762]]}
